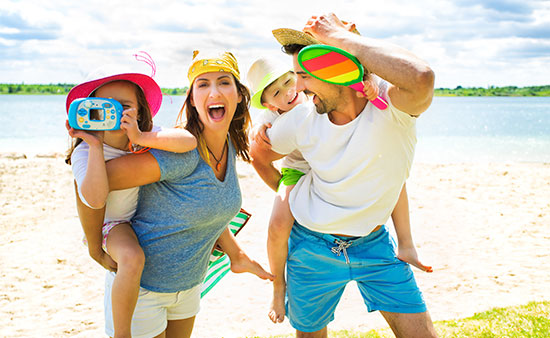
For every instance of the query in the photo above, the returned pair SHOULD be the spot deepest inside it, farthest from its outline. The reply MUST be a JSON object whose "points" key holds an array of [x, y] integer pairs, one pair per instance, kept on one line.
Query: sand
{"points": [[483, 227]]}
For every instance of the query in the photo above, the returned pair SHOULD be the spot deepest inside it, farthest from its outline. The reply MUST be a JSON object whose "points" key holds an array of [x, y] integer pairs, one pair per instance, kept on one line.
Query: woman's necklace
{"points": [[218, 164]]}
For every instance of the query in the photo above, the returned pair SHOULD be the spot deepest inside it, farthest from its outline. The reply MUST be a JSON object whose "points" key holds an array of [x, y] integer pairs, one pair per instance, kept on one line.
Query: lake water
{"points": [[453, 129]]}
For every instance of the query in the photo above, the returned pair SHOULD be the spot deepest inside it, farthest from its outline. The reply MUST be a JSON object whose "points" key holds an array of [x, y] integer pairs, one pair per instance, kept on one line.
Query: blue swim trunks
{"points": [[320, 266]]}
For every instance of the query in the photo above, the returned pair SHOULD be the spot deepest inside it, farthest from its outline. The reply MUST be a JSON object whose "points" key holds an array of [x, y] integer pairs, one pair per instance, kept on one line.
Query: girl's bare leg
{"points": [[124, 248], [280, 226], [240, 262]]}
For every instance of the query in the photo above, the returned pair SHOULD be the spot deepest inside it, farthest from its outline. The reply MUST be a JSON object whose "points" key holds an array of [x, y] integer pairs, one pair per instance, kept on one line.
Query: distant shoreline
{"points": [[60, 89], [531, 91], [63, 89]]}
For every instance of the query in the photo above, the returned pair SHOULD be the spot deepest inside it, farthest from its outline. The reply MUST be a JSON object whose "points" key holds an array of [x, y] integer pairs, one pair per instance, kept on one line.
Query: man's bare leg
{"points": [[410, 325], [317, 334]]}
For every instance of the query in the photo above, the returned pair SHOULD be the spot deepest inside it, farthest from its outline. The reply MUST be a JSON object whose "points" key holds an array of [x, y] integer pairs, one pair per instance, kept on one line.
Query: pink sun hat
{"points": [[108, 74]]}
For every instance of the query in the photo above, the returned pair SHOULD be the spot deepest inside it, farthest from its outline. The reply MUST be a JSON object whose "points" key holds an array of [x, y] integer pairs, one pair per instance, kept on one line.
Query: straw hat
{"points": [[261, 74], [288, 36]]}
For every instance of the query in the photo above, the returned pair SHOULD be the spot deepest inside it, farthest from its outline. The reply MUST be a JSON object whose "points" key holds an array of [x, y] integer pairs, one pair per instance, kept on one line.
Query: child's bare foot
{"points": [[244, 264], [277, 309], [410, 256]]}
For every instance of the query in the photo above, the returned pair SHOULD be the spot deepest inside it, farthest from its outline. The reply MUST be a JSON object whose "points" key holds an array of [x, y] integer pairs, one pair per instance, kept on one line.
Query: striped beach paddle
{"points": [[336, 66], [219, 263]]}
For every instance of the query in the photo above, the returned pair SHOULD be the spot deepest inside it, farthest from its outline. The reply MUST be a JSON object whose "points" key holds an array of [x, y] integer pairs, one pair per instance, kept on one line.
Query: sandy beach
{"points": [[483, 227]]}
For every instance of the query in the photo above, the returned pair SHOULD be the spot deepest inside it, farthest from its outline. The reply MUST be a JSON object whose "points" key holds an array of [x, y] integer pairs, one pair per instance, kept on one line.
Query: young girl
{"points": [[141, 98]]}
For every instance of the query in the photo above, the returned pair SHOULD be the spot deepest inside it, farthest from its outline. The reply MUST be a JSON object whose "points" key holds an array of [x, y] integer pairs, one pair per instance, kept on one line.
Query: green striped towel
{"points": [[219, 264]]}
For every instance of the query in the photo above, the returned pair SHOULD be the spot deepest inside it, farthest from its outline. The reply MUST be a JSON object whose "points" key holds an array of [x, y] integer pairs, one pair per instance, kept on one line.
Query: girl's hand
{"points": [[103, 259], [91, 137], [410, 256], [258, 135], [371, 90], [128, 123]]}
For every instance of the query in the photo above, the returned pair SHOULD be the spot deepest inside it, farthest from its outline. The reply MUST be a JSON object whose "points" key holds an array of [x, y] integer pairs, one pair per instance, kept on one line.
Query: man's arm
{"points": [[411, 78]]}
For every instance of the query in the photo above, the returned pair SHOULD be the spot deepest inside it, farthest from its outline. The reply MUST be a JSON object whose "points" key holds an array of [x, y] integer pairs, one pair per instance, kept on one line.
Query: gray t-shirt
{"points": [[179, 218]]}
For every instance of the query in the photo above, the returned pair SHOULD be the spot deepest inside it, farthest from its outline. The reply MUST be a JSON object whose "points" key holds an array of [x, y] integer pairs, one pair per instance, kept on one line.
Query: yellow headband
{"points": [[224, 62]]}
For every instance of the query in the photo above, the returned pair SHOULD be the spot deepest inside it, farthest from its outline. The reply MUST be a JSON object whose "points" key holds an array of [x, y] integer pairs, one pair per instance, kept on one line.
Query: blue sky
{"points": [[467, 42]]}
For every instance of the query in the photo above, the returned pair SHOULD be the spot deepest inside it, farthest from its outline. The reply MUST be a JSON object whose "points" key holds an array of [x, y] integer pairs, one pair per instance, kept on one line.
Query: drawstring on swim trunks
{"points": [[342, 246]]}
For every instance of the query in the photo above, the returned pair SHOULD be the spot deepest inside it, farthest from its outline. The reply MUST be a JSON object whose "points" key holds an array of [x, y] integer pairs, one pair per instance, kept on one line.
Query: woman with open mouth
{"points": [[186, 200]]}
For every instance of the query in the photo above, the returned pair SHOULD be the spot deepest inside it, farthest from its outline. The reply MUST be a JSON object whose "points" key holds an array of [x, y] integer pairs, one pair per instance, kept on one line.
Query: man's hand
{"points": [[326, 28], [350, 26]]}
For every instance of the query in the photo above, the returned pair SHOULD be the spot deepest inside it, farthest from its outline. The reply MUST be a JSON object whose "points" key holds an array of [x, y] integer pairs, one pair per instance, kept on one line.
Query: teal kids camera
{"points": [[95, 113]]}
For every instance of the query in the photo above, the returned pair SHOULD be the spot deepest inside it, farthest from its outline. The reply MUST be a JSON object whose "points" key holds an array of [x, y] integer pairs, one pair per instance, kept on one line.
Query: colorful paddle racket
{"points": [[336, 66]]}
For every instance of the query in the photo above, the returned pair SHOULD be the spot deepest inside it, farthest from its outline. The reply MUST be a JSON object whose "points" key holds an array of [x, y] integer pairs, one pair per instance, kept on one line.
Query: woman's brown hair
{"points": [[145, 120], [238, 129]]}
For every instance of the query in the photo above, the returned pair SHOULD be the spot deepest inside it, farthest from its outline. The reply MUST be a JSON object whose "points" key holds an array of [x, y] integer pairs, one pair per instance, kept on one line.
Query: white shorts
{"points": [[153, 309]]}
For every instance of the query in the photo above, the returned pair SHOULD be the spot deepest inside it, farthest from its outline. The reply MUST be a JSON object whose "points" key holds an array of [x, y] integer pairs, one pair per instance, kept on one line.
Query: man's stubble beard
{"points": [[327, 106]]}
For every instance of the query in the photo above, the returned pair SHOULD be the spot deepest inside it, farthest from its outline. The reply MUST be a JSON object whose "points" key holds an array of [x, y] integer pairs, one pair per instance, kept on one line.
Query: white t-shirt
{"points": [[120, 204], [357, 169], [294, 160]]}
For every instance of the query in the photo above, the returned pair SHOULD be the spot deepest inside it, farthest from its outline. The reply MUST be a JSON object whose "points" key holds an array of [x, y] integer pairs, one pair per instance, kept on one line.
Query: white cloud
{"points": [[467, 42]]}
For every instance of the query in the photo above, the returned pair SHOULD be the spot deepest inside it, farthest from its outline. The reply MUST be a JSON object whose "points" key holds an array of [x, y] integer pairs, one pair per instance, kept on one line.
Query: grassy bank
{"points": [[60, 89], [495, 91], [526, 321], [64, 88]]}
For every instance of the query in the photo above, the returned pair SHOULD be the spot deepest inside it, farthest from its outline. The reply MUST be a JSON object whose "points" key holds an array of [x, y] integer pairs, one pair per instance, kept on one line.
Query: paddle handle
{"points": [[379, 102]]}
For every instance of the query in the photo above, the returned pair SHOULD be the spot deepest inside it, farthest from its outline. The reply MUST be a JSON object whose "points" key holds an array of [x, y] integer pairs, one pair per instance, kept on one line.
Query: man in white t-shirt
{"points": [[360, 157]]}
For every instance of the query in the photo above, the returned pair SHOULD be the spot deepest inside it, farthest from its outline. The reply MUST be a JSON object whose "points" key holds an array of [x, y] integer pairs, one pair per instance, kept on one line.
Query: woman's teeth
{"points": [[216, 111]]}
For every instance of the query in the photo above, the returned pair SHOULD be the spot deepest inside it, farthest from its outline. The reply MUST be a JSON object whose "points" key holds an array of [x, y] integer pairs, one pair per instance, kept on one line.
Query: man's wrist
{"points": [[337, 38]]}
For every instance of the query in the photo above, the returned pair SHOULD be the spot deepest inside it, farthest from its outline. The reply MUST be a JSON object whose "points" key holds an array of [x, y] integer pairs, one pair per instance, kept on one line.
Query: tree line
{"points": [[64, 88], [60, 89], [495, 91]]}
